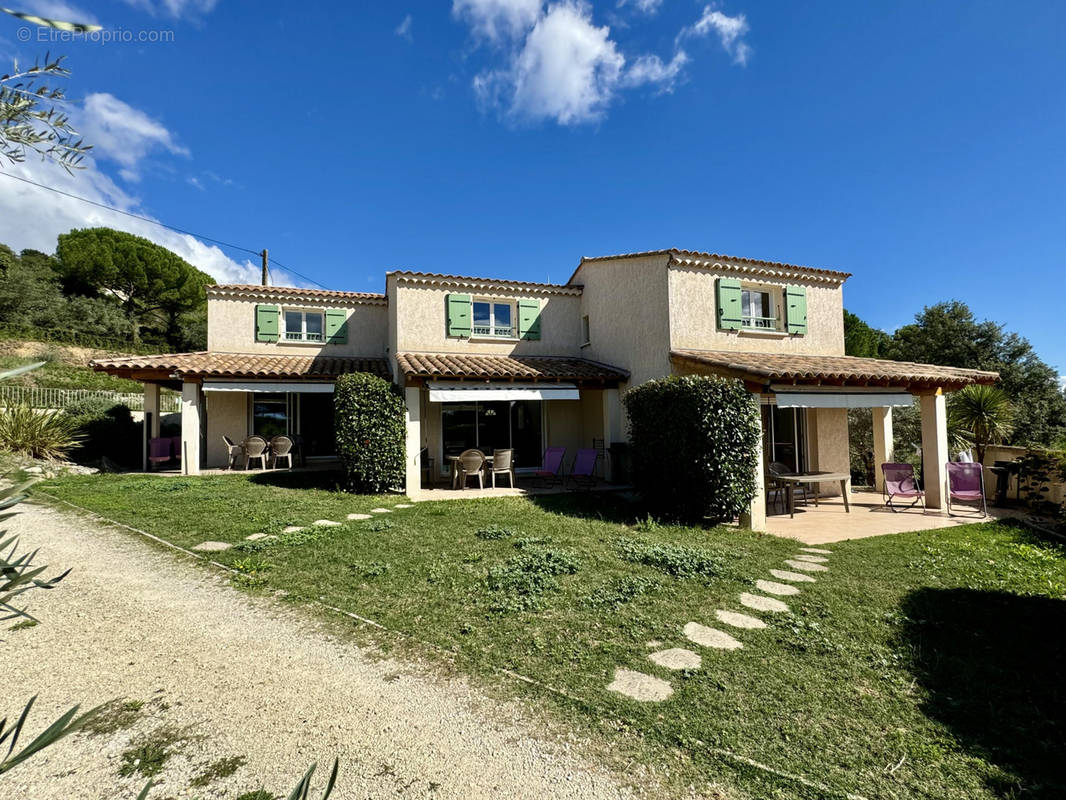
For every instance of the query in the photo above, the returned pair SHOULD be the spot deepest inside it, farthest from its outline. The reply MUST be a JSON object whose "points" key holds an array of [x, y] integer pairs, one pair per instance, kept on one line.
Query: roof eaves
{"points": [[440, 279]]}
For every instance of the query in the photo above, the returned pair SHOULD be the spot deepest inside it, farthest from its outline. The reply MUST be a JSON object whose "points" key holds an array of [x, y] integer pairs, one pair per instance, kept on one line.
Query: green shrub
{"points": [[522, 579], [108, 431], [696, 443], [38, 434], [371, 432], [494, 532], [672, 559], [620, 591]]}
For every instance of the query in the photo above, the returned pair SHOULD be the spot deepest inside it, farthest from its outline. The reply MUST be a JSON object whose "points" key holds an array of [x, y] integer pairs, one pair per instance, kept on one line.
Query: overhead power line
{"points": [[160, 224]]}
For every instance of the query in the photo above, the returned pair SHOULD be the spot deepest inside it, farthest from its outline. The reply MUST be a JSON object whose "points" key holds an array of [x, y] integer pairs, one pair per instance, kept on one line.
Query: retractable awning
{"points": [[264, 386], [843, 399], [460, 392]]}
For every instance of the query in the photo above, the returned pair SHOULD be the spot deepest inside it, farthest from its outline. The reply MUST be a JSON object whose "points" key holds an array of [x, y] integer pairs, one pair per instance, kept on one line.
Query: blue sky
{"points": [[920, 146]]}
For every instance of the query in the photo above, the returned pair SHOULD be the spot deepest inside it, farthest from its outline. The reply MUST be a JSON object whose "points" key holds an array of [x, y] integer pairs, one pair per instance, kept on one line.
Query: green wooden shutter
{"points": [[796, 308], [459, 315], [729, 304], [266, 323], [529, 319], [336, 326]]}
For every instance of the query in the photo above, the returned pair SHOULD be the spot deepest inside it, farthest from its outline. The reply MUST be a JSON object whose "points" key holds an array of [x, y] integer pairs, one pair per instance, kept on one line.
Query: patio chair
{"points": [[281, 447], [235, 452], [966, 484], [782, 488], [471, 463], [255, 448], [551, 467], [900, 482], [503, 463], [160, 450], [583, 473]]}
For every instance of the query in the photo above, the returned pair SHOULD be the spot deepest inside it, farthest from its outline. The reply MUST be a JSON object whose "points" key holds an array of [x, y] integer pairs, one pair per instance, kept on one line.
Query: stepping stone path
{"points": [[380, 511], [773, 587], [817, 550], [760, 603], [806, 566], [255, 537], [212, 547], [676, 658], [325, 523], [738, 620], [812, 559], [405, 505], [646, 688], [292, 529], [359, 516], [710, 637], [785, 575]]}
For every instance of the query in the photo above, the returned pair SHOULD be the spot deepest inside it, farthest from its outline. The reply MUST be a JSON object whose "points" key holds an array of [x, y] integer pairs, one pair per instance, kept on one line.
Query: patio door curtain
{"points": [[459, 392], [270, 387], [843, 399]]}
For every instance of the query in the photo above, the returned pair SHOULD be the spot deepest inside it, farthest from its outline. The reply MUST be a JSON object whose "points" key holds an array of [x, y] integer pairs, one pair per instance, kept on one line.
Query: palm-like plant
{"points": [[982, 414]]}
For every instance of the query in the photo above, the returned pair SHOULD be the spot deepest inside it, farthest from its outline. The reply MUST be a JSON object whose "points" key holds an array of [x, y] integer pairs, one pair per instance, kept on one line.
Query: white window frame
{"points": [[480, 333], [775, 294], [302, 335]]}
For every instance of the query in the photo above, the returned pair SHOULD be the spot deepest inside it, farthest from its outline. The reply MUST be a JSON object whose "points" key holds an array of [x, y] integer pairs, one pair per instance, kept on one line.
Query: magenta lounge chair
{"points": [[584, 471], [899, 482], [966, 484], [553, 464]]}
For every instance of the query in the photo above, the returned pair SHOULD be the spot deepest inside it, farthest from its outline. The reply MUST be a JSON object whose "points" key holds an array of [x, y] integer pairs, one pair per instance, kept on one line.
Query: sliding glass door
{"points": [[514, 424], [305, 416], [785, 437]]}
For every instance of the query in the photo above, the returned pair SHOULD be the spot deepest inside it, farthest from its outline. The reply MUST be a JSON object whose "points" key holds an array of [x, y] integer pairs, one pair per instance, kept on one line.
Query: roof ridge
{"points": [[676, 253]]}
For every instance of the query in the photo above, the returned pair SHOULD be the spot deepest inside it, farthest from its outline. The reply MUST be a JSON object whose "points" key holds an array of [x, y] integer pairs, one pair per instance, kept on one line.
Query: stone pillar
{"points": [[934, 446], [883, 448], [755, 517], [150, 425], [413, 417], [190, 428], [612, 422]]}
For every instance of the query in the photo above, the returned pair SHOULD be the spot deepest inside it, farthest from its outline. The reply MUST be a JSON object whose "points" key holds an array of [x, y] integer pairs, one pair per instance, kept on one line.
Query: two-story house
{"points": [[492, 363]]}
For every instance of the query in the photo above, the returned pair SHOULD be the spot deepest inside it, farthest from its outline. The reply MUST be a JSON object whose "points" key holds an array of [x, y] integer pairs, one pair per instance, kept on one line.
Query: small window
{"points": [[493, 319], [304, 326], [757, 309], [585, 339]]}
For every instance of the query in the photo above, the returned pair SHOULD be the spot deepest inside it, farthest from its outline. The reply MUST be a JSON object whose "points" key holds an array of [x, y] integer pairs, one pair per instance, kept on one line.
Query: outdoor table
{"points": [[454, 461], [815, 477]]}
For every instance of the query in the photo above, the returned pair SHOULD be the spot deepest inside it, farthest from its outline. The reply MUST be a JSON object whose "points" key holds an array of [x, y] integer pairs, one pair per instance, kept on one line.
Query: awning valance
{"points": [[274, 387], [843, 399], [460, 392]]}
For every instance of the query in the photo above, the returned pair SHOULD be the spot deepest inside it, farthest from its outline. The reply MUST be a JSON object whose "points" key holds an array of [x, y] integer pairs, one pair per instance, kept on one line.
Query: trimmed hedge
{"points": [[695, 442], [371, 432]]}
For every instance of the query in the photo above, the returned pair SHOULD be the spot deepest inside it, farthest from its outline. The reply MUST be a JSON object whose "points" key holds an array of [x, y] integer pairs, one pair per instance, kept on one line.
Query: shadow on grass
{"points": [[329, 479], [994, 667]]}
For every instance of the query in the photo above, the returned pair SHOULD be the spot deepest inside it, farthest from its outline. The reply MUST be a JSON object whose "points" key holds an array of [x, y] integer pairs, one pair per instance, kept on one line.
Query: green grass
{"points": [[923, 665]]}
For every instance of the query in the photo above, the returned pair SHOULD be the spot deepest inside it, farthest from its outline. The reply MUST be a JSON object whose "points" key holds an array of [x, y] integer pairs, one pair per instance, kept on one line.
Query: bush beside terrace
{"points": [[371, 432]]}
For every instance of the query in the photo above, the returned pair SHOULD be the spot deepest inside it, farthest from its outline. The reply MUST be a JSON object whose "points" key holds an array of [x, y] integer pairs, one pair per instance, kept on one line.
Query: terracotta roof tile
{"points": [[461, 280], [244, 365], [697, 258], [454, 366], [848, 369], [294, 292]]}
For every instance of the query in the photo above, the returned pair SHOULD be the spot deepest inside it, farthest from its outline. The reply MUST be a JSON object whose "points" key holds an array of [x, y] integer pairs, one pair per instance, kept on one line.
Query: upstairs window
{"points": [[757, 310], [493, 319], [304, 326]]}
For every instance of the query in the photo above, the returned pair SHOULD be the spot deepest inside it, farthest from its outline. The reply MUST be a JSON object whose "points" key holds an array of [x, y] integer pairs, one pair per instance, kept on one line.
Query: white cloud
{"points": [[123, 134], [652, 69], [643, 6], [176, 8], [730, 31], [498, 20], [403, 30]]}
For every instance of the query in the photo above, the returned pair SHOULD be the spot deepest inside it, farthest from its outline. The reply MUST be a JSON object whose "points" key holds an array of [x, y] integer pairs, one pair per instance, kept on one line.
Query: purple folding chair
{"points": [[584, 470], [159, 450], [966, 484], [553, 463], [899, 482]]}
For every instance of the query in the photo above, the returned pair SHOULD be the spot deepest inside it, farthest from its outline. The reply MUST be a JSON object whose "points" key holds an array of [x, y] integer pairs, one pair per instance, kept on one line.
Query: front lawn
{"points": [[920, 665]]}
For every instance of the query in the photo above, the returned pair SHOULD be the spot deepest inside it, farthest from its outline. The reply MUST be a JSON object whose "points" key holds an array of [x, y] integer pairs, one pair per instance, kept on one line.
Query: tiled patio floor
{"points": [[523, 489]]}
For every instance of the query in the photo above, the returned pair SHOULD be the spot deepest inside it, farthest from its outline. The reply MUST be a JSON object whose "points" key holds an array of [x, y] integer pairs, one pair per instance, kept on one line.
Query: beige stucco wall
{"points": [[629, 321], [421, 321], [231, 329], [827, 432], [694, 316], [227, 415]]}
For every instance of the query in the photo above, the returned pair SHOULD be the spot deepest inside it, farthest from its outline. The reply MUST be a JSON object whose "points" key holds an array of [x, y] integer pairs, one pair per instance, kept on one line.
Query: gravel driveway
{"points": [[244, 676]]}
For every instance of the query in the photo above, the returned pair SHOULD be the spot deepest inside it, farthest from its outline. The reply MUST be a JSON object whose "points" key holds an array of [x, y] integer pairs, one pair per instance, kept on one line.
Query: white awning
{"points": [[843, 399], [460, 392], [265, 386]]}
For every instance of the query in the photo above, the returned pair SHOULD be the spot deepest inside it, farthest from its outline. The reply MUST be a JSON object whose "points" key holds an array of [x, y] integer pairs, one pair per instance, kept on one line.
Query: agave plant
{"points": [[38, 434]]}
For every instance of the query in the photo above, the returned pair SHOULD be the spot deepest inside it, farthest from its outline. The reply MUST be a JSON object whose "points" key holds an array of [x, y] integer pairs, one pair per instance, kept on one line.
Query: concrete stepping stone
{"points": [[812, 559], [256, 537], [359, 516], [325, 523], [405, 505], [676, 658], [381, 511], [212, 547], [818, 550], [760, 603], [805, 566], [645, 688], [292, 529], [785, 575], [773, 587], [738, 620], [710, 637]]}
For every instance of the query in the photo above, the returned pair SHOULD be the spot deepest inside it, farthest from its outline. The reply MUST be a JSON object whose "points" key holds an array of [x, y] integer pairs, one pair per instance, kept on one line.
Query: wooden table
{"points": [[454, 461], [815, 477]]}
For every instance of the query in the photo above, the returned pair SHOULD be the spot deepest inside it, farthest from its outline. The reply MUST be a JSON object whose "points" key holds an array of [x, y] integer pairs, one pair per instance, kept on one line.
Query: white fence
{"points": [[37, 397]]}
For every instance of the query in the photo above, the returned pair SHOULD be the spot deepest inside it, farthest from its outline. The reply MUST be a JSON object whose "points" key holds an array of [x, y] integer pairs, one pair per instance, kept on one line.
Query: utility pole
{"points": [[266, 274]]}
